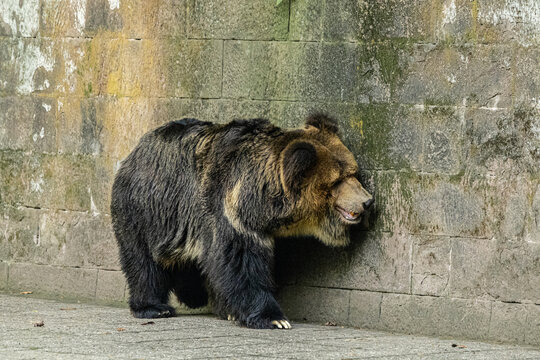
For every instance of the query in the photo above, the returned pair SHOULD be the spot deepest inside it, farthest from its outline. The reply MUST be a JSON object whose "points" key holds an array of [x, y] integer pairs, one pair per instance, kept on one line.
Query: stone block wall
{"points": [[438, 99]]}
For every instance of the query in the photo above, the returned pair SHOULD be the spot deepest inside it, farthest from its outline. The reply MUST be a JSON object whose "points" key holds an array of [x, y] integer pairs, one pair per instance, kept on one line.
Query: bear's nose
{"points": [[368, 203]]}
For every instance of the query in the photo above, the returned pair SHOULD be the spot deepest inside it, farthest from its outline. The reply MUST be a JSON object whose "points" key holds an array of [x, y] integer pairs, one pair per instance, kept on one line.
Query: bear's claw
{"points": [[281, 324]]}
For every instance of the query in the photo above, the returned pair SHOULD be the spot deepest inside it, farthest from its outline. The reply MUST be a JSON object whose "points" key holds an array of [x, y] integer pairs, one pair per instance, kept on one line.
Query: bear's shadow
{"points": [[306, 261]]}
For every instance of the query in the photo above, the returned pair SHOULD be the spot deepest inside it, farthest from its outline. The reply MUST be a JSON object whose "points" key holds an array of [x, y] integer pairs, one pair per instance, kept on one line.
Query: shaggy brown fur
{"points": [[199, 204]]}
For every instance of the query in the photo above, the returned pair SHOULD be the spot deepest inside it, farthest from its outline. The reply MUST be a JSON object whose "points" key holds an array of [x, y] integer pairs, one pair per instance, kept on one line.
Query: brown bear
{"points": [[196, 207]]}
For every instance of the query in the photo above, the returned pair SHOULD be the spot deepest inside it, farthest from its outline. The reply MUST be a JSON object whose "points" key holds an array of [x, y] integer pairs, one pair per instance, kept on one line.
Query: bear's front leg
{"points": [[239, 268]]}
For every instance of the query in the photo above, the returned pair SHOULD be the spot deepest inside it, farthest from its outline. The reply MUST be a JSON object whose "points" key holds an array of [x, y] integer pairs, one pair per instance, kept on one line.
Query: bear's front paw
{"points": [[281, 324], [262, 323]]}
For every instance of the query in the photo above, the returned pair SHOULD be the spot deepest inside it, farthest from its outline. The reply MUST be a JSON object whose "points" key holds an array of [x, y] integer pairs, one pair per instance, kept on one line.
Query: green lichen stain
{"points": [[88, 90], [472, 34], [369, 135], [386, 56], [377, 17]]}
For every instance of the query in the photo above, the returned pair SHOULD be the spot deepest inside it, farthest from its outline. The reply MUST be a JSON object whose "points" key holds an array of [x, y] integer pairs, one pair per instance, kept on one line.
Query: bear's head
{"points": [[318, 175]]}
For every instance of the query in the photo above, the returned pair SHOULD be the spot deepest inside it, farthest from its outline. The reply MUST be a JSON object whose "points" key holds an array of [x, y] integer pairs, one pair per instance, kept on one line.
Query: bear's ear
{"points": [[323, 122], [298, 159]]}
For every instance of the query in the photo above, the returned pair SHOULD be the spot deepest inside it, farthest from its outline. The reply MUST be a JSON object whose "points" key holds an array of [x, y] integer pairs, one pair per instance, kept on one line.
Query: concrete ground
{"points": [[33, 328]]}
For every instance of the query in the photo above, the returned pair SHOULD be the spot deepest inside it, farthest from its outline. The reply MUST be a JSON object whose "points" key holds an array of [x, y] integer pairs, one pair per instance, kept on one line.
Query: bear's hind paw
{"points": [[153, 312], [281, 324]]}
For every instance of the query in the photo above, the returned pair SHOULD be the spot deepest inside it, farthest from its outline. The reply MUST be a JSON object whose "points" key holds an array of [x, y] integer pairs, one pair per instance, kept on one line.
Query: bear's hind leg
{"points": [[149, 285], [188, 286]]}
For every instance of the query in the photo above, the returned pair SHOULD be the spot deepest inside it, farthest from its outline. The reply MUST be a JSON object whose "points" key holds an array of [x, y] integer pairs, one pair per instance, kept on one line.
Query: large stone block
{"points": [[442, 141], [243, 19], [111, 286], [431, 265], [20, 232], [451, 206], [104, 126], [515, 323], [387, 136], [458, 76], [365, 309], [76, 239], [19, 18], [17, 183], [28, 65], [28, 123], [494, 269], [64, 182], [80, 125], [59, 238], [454, 21], [515, 21], [360, 20], [64, 18], [435, 316], [171, 19], [191, 68], [315, 304], [506, 139], [56, 281]]}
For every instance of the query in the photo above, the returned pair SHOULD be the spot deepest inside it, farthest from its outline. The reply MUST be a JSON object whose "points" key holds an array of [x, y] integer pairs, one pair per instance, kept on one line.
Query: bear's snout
{"points": [[351, 199]]}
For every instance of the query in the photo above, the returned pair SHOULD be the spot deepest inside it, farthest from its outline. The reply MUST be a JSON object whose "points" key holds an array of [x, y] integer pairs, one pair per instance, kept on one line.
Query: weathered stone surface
{"points": [[111, 285], [515, 323], [58, 238], [532, 230], [442, 142], [359, 20], [19, 18], [506, 139], [28, 123], [191, 68], [365, 309], [243, 19], [454, 20], [394, 201], [435, 316], [20, 227], [507, 271], [50, 280], [508, 21], [467, 75], [527, 78], [315, 304], [80, 240], [65, 182], [445, 207], [28, 66], [255, 70], [431, 265], [4, 273]]}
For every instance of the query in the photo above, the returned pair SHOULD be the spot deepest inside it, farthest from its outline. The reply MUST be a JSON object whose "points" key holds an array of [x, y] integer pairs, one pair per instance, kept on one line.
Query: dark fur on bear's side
{"points": [[198, 204]]}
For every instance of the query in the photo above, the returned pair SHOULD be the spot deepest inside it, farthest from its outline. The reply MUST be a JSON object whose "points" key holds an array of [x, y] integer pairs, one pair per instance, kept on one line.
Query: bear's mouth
{"points": [[349, 216]]}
